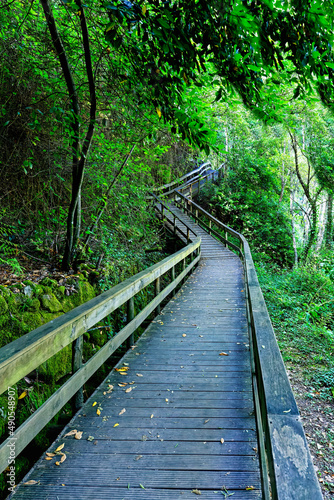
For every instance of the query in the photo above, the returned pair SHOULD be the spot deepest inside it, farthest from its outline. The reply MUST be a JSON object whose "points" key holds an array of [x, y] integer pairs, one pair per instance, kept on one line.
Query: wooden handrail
{"points": [[291, 471], [194, 175], [25, 354]]}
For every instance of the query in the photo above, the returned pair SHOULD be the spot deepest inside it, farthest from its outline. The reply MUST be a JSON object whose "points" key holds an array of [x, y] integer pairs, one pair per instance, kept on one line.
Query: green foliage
{"points": [[245, 200], [306, 340]]}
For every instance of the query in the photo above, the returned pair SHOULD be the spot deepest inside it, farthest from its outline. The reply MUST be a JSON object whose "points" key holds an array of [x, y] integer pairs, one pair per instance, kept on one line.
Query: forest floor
{"points": [[318, 420], [317, 412]]}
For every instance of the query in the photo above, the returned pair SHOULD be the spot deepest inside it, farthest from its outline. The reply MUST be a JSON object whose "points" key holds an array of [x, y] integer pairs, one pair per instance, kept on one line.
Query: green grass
{"points": [[301, 307]]}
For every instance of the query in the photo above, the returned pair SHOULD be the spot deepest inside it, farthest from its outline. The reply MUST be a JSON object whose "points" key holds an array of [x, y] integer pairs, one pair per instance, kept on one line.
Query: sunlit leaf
{"points": [[78, 435], [122, 411], [60, 448], [22, 395]]}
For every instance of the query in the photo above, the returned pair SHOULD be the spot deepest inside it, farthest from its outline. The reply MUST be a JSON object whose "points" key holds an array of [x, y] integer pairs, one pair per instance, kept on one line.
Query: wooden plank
{"points": [[172, 448], [131, 492]]}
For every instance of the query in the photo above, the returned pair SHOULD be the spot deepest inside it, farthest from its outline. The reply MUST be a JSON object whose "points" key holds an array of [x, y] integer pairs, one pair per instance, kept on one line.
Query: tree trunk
{"points": [[79, 152], [329, 222], [293, 229]]}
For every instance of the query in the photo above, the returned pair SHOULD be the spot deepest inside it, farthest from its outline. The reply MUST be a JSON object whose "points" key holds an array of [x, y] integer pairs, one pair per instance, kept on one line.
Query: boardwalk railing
{"points": [[27, 353], [189, 181], [281, 435]]}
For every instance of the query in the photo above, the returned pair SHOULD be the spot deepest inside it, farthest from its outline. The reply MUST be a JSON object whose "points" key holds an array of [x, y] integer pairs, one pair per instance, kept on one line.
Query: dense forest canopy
{"points": [[82, 83]]}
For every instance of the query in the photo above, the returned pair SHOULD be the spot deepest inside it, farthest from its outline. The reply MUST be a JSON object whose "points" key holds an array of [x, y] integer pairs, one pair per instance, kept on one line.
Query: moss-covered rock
{"points": [[38, 290], [32, 320], [56, 367], [3, 305], [49, 282], [51, 303]]}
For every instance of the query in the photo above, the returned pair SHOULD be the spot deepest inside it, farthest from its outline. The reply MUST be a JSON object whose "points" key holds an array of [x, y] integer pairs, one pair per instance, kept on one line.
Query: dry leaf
{"points": [[184, 334], [71, 433], [123, 369], [51, 455], [222, 440], [223, 354], [60, 448], [206, 421], [21, 396], [57, 463], [123, 385], [98, 411], [138, 457], [78, 435], [110, 386], [90, 438], [250, 488], [95, 403], [32, 481], [197, 492], [166, 400], [63, 458], [116, 425], [152, 415], [122, 411], [48, 458], [129, 389], [122, 373], [139, 374]]}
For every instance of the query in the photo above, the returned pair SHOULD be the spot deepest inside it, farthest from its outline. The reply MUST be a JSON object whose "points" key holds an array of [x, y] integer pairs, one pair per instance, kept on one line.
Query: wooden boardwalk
{"points": [[179, 421]]}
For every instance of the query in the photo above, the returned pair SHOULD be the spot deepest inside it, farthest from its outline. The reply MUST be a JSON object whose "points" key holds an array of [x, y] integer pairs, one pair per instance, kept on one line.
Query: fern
{"points": [[7, 234]]}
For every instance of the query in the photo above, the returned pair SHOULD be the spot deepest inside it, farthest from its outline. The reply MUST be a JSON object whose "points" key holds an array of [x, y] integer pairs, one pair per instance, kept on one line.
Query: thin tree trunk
{"points": [[79, 153], [312, 235], [293, 228], [329, 222]]}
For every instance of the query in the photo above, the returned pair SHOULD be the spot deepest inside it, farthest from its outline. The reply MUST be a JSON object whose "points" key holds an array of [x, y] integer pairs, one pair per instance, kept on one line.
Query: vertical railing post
{"points": [[191, 191], [156, 292], [77, 350], [130, 314], [172, 271], [188, 236], [196, 214], [210, 225], [226, 238]]}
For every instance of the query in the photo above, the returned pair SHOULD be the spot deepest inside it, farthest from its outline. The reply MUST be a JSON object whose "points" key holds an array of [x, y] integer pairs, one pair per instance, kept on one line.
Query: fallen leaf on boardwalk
{"points": [[223, 354], [184, 335], [166, 400], [98, 411], [139, 374], [197, 492], [122, 373], [21, 396], [250, 488], [142, 486], [95, 403], [51, 455], [152, 415], [63, 458], [48, 458], [116, 425], [60, 448], [200, 335], [78, 435], [222, 440], [90, 438], [71, 433], [126, 364], [138, 457], [32, 481], [122, 411], [123, 369], [123, 385], [57, 463], [129, 389], [131, 383]]}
